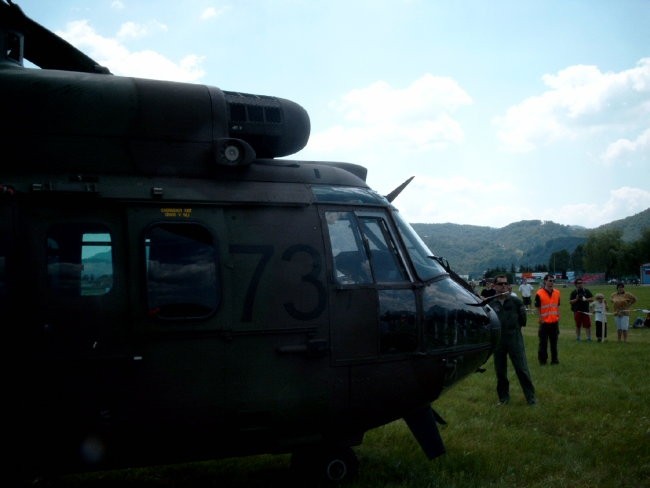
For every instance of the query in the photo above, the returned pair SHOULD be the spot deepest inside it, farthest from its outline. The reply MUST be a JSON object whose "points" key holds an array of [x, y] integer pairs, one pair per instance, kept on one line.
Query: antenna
{"points": [[393, 195]]}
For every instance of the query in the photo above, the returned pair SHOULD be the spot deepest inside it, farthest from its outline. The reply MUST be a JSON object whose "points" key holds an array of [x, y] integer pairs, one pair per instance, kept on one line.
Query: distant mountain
{"points": [[471, 249], [100, 264], [631, 226]]}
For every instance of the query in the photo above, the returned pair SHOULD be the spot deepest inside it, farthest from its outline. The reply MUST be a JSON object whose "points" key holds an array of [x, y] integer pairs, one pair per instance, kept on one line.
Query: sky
{"points": [[502, 110]]}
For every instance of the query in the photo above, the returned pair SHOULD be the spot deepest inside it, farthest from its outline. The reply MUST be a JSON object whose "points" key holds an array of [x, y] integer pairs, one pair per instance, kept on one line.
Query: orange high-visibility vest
{"points": [[550, 306]]}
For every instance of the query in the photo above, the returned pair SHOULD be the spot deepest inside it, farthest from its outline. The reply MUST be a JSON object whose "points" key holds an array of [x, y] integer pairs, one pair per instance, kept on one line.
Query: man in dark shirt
{"points": [[489, 290], [580, 299], [512, 315]]}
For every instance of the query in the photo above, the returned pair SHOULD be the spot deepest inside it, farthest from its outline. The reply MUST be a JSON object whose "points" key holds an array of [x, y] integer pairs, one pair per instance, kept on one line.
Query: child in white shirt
{"points": [[599, 308]]}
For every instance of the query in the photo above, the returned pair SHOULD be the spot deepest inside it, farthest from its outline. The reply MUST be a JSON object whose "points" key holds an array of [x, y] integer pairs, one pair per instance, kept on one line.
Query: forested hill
{"points": [[630, 226], [471, 249]]}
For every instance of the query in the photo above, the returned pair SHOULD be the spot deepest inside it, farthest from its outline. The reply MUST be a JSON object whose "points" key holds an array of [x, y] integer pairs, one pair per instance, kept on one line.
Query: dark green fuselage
{"points": [[168, 299]]}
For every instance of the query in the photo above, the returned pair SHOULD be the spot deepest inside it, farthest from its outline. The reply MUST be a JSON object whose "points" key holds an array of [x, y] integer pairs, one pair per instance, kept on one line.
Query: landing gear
{"points": [[332, 464]]}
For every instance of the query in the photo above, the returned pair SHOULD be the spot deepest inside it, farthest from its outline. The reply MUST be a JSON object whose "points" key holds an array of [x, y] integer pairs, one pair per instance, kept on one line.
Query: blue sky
{"points": [[502, 110]]}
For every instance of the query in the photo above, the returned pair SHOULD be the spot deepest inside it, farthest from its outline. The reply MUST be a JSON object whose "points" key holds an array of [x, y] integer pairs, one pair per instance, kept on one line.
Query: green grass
{"points": [[591, 428]]}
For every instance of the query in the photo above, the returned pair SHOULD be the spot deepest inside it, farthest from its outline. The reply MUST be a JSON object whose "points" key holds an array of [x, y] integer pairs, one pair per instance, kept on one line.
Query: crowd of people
{"points": [[544, 303]]}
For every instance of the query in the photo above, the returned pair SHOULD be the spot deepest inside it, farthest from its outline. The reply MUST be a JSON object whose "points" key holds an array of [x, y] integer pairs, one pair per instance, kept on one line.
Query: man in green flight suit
{"points": [[512, 314]]}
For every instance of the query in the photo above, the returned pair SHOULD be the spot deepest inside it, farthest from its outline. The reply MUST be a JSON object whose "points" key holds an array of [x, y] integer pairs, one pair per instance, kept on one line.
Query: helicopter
{"points": [[174, 289]]}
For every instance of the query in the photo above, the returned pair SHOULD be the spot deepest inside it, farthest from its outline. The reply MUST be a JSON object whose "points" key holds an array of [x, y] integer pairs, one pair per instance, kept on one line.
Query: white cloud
{"points": [[132, 30], [150, 64], [116, 56], [458, 199], [469, 201], [117, 5], [426, 96], [581, 100], [212, 12], [625, 149], [621, 202], [417, 117]]}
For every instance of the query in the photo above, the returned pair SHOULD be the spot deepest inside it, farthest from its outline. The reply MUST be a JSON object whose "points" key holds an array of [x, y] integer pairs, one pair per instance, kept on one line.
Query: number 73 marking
{"points": [[312, 278]]}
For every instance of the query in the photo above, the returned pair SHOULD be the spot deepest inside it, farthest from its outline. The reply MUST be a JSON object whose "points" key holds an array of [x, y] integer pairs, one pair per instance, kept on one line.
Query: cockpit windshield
{"points": [[422, 258]]}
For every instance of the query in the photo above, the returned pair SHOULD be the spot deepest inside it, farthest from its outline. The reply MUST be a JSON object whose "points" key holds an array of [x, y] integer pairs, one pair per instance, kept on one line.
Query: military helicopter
{"points": [[172, 289]]}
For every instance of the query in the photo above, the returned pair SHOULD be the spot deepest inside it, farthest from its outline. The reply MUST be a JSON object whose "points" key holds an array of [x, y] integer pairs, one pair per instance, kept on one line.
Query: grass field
{"points": [[591, 428]]}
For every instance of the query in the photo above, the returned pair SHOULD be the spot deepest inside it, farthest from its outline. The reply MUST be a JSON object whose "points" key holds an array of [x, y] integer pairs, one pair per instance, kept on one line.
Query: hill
{"points": [[471, 249], [630, 226]]}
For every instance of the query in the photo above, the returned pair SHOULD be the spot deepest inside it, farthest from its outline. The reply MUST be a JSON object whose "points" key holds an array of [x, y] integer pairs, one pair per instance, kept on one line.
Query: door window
{"points": [[365, 252], [363, 249], [351, 264], [384, 256], [181, 270]]}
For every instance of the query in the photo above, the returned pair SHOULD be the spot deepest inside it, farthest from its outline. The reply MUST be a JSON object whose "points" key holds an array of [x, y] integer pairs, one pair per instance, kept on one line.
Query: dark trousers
{"points": [[512, 344], [601, 330], [548, 333]]}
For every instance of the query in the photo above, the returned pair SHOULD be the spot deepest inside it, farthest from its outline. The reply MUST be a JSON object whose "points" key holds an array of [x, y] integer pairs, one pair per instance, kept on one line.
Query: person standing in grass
{"points": [[622, 301], [580, 299], [526, 290], [512, 315], [600, 309], [547, 303]]}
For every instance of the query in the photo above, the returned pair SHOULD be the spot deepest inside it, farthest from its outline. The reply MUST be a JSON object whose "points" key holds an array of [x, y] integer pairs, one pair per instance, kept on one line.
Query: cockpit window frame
{"points": [[360, 216], [424, 262], [348, 195], [392, 259]]}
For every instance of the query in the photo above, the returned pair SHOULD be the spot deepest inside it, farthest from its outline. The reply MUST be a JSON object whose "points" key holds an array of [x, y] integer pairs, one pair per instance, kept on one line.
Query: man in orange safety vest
{"points": [[547, 303]]}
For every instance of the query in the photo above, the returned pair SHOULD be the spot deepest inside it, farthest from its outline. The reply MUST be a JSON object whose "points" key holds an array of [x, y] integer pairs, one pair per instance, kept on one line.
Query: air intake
{"points": [[273, 126]]}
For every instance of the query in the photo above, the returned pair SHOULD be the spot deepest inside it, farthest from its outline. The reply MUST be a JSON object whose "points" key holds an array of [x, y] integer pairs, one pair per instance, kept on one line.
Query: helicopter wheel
{"points": [[334, 464]]}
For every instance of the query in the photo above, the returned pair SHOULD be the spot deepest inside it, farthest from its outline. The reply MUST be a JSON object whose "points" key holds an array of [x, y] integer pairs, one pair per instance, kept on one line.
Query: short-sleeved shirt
{"points": [[525, 289], [580, 305], [622, 302]]}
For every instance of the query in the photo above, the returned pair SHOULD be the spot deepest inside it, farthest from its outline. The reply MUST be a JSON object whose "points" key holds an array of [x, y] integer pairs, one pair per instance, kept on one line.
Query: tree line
{"points": [[604, 251]]}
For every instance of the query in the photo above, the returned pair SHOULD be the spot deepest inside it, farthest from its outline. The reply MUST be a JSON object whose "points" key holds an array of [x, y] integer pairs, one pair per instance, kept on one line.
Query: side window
{"points": [[351, 263], [384, 257], [363, 249], [181, 270], [79, 259]]}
